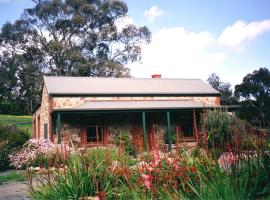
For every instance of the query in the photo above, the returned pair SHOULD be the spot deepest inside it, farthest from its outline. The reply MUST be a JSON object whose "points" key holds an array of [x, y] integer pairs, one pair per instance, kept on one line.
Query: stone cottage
{"points": [[93, 111]]}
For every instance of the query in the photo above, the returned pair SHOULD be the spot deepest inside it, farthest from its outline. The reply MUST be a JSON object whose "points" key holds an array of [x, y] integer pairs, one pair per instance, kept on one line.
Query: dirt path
{"points": [[15, 190]]}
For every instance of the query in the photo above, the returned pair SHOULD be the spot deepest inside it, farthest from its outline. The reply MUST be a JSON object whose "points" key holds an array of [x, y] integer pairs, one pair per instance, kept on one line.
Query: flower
{"points": [[115, 164], [175, 166], [156, 157], [147, 179], [170, 160], [142, 165], [193, 169], [33, 149], [150, 167], [227, 160], [180, 174]]}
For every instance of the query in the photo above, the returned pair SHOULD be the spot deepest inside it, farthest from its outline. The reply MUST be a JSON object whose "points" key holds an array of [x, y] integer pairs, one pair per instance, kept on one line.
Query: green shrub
{"points": [[217, 127], [222, 128], [10, 140], [123, 139]]}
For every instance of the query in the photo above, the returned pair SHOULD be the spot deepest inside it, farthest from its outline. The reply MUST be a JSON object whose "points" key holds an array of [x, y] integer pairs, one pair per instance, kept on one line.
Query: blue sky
{"points": [[193, 38]]}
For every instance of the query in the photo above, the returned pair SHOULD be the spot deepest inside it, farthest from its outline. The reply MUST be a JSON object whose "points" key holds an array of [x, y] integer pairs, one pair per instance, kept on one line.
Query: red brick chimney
{"points": [[156, 76]]}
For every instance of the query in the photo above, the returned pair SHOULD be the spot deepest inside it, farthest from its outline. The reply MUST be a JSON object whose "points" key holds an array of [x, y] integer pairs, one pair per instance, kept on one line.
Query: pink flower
{"points": [[96, 198], [147, 179], [142, 165], [227, 160], [170, 160], [175, 166], [150, 167], [33, 149], [115, 165], [156, 157]]}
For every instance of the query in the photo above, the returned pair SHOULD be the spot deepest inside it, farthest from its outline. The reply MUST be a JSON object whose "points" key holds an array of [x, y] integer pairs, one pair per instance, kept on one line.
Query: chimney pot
{"points": [[156, 76]]}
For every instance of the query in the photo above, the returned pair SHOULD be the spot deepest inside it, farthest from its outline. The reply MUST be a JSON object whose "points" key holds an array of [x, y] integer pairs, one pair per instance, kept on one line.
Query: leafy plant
{"points": [[123, 140], [96, 173], [11, 140]]}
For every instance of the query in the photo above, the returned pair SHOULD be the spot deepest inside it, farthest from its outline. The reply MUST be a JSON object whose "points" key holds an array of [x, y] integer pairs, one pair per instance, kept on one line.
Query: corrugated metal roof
{"points": [[125, 86], [138, 105]]}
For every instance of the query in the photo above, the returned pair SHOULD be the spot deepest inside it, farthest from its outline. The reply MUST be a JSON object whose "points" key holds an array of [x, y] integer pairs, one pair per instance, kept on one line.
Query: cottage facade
{"points": [[94, 111]]}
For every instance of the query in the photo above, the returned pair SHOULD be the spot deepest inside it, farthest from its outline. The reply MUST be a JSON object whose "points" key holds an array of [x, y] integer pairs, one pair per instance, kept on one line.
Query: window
{"points": [[187, 130], [94, 134]]}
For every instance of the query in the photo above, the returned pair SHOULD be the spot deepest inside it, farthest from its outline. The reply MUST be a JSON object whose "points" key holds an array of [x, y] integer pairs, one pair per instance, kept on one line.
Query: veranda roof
{"points": [[126, 86], [137, 105]]}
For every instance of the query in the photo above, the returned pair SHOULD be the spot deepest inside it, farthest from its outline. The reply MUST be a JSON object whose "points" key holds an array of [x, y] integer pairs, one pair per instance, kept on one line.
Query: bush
{"points": [[11, 140], [37, 152], [217, 127], [123, 139], [223, 130]]}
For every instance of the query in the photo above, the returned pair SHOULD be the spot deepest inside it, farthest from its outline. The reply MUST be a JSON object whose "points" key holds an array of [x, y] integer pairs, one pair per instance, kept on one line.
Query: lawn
{"points": [[15, 119], [11, 176]]}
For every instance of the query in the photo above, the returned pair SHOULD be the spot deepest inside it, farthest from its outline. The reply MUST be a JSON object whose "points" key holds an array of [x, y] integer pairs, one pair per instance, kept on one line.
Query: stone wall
{"points": [[35, 123], [72, 133], [71, 102], [43, 113]]}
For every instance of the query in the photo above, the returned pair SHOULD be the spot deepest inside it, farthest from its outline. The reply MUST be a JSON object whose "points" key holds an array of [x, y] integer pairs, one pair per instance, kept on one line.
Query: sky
{"points": [[193, 38]]}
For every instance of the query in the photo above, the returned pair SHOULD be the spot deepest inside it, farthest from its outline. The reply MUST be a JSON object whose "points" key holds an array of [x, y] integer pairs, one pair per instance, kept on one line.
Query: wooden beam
{"points": [[169, 129], [59, 127], [144, 131]]}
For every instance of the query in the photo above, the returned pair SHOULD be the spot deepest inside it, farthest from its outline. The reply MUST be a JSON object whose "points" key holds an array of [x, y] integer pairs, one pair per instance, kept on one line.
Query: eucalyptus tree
{"points": [[70, 38], [255, 94]]}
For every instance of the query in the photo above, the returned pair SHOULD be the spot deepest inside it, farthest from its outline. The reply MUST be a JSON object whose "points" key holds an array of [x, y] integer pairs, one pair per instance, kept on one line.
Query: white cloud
{"points": [[123, 22], [175, 52], [153, 13], [236, 36], [178, 53]]}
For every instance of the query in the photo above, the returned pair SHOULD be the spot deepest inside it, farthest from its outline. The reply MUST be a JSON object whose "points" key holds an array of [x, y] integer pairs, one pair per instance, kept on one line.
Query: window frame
{"points": [[97, 128]]}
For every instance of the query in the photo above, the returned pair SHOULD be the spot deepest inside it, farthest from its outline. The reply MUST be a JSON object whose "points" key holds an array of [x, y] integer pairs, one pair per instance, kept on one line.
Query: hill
{"points": [[23, 122]]}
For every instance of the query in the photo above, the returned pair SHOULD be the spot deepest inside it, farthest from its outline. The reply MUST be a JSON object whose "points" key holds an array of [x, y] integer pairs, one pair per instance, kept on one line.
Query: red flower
{"points": [[180, 174], [193, 169]]}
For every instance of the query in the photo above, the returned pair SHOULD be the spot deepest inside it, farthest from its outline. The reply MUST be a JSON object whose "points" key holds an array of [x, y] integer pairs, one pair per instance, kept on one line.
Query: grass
{"points": [[13, 119], [11, 176]]}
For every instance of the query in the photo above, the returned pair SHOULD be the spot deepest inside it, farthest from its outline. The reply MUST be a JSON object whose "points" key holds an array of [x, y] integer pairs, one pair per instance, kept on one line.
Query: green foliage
{"points": [[123, 139], [11, 140], [86, 175], [12, 176], [250, 181], [217, 127], [103, 173], [221, 127], [255, 91], [227, 97], [83, 38]]}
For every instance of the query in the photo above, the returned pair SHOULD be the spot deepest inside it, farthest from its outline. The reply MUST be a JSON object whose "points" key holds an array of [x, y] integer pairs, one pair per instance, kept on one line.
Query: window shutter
{"points": [[46, 131]]}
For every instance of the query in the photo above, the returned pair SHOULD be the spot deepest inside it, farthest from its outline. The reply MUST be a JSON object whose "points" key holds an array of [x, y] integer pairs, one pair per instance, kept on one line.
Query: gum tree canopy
{"points": [[255, 90], [68, 38]]}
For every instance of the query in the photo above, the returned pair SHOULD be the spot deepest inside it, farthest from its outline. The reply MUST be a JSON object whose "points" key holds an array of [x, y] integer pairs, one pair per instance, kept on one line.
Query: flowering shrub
{"points": [[34, 150], [104, 173]]}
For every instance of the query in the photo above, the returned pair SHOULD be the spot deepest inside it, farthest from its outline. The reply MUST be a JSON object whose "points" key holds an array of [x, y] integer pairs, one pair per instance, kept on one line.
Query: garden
{"points": [[232, 161]]}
